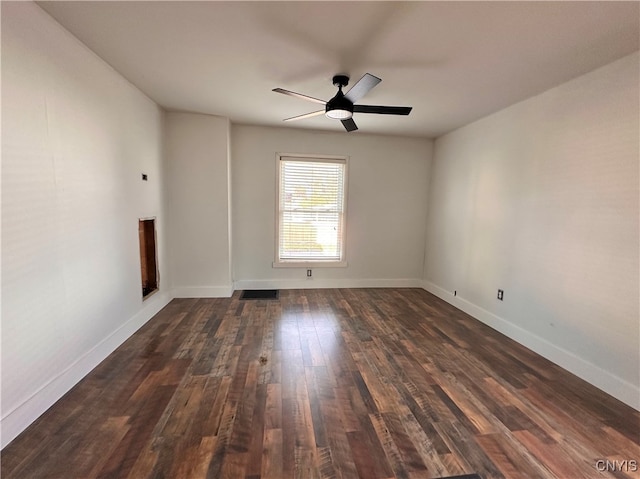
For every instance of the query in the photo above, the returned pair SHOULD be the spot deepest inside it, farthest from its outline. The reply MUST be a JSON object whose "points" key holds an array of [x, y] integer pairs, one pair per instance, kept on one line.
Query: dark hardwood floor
{"points": [[370, 383]]}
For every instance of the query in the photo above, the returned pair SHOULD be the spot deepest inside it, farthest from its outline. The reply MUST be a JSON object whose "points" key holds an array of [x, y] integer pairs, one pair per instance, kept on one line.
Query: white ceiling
{"points": [[454, 62]]}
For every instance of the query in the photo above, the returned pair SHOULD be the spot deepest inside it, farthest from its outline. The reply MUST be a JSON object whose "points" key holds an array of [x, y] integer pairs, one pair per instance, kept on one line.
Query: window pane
{"points": [[311, 210]]}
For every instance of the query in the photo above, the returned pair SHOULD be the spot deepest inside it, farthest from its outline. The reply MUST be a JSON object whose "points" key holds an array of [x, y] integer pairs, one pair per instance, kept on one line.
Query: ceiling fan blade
{"points": [[306, 115], [382, 110], [360, 89], [349, 124], [299, 95]]}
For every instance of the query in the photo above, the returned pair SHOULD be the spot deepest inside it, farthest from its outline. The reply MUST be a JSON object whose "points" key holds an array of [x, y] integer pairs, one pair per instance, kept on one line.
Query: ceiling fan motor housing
{"points": [[339, 107]]}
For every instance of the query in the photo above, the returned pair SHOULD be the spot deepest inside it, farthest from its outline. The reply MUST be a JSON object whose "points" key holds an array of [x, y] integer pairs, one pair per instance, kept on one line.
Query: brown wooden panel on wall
{"points": [[148, 264]]}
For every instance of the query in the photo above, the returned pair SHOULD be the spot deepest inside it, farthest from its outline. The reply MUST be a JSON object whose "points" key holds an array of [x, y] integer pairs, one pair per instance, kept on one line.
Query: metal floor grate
{"points": [[260, 294]]}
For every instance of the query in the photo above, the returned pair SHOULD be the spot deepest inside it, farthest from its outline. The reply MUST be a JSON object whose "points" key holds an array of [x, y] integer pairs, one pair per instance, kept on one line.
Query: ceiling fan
{"points": [[342, 106]]}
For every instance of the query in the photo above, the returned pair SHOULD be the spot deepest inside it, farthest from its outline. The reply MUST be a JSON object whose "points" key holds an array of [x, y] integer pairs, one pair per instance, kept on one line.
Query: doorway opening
{"points": [[148, 262]]}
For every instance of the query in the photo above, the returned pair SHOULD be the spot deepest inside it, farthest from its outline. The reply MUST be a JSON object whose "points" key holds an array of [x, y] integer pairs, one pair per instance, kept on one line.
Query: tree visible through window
{"points": [[311, 206]]}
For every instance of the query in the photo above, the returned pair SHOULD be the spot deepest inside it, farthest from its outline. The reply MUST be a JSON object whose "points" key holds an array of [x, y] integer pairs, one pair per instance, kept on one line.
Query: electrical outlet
{"points": [[309, 273], [500, 294]]}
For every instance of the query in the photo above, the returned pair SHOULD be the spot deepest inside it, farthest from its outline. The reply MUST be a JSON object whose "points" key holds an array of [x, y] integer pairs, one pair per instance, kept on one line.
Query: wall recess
{"points": [[148, 256]]}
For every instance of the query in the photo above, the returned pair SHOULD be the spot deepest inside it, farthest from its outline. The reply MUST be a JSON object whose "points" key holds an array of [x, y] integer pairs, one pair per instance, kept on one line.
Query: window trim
{"points": [[277, 263]]}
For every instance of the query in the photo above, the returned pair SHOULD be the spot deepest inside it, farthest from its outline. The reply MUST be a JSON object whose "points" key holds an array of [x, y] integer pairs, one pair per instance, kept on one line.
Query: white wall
{"points": [[386, 207], [197, 193], [75, 139], [541, 200]]}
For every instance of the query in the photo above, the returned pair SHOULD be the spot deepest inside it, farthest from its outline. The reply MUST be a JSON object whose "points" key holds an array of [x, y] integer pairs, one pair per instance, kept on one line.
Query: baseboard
{"points": [[606, 381], [315, 283], [202, 291], [19, 418]]}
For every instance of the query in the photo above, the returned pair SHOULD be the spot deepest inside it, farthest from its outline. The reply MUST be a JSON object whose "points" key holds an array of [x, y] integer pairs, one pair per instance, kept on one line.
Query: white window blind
{"points": [[311, 209]]}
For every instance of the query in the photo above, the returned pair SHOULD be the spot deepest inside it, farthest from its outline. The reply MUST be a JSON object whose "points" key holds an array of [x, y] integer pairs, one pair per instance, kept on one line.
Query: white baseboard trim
{"points": [[20, 417], [316, 283], [202, 291], [606, 381]]}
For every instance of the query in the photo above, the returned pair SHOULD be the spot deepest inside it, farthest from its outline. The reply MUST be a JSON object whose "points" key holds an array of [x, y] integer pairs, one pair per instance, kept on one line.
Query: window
{"points": [[311, 211]]}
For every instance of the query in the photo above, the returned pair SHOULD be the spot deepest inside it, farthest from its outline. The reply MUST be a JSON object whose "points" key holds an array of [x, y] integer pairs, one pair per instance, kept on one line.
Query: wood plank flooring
{"points": [[369, 383]]}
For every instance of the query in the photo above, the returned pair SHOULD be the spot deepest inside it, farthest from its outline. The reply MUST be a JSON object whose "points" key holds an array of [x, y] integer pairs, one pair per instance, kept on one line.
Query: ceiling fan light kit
{"points": [[342, 106], [338, 113]]}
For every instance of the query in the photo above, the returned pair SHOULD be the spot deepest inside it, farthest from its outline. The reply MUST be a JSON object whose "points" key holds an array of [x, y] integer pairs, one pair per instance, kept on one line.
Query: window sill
{"points": [[310, 264]]}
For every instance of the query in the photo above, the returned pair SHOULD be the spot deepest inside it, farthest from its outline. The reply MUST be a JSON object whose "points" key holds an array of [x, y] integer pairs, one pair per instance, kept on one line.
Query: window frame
{"points": [[311, 263]]}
